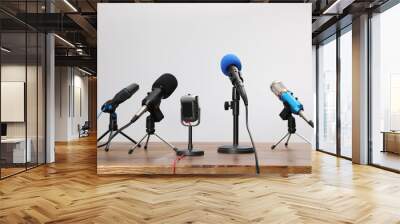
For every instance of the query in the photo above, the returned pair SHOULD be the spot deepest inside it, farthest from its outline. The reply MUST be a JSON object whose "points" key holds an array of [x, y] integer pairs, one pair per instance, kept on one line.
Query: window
{"points": [[385, 89], [346, 93], [327, 96], [335, 74], [22, 77]]}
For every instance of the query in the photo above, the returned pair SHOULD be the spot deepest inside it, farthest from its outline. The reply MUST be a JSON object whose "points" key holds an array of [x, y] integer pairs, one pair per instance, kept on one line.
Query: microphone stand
{"points": [[150, 130], [235, 148], [190, 151], [287, 115], [156, 116], [112, 126]]}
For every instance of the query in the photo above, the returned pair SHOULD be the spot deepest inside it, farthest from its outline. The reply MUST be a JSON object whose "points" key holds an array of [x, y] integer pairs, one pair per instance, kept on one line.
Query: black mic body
{"points": [[162, 88], [237, 81], [125, 94], [120, 97]]}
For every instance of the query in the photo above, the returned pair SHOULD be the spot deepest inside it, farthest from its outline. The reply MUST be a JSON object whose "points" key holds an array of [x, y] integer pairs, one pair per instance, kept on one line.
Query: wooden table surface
{"points": [[159, 159]]}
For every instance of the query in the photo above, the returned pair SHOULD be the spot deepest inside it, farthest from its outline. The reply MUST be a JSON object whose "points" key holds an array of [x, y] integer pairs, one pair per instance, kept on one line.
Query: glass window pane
{"points": [[346, 94], [41, 98], [385, 84], [327, 96], [13, 86], [31, 100]]}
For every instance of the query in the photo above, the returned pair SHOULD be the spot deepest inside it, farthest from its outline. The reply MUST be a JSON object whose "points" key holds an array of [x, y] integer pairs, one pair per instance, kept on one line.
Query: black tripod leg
{"points": [[109, 141], [137, 144], [130, 139], [273, 146], [103, 135], [99, 146], [287, 141], [304, 138], [170, 145], [147, 142]]}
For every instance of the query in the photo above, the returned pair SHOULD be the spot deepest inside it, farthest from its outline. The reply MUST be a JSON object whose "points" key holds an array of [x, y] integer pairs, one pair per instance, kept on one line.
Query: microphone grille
{"points": [[167, 82]]}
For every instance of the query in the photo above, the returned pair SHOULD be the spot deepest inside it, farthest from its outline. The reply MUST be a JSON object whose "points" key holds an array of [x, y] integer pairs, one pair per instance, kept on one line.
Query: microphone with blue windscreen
{"points": [[231, 67]]}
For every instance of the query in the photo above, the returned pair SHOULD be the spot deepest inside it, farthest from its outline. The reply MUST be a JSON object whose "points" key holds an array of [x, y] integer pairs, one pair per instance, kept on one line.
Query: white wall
{"points": [[69, 79], [139, 42]]}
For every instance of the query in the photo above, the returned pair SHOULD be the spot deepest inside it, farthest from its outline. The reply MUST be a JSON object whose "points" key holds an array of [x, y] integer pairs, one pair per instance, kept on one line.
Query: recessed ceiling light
{"points": [[5, 50], [65, 41], [70, 5], [337, 7], [84, 71]]}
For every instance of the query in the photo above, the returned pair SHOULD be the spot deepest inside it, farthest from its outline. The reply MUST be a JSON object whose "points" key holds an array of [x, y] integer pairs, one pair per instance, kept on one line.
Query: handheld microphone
{"points": [[162, 88], [231, 66], [126, 93], [289, 100]]}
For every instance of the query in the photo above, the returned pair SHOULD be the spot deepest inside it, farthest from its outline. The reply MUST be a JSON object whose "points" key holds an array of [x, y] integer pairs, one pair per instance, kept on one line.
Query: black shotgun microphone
{"points": [[162, 88], [119, 98], [125, 94]]}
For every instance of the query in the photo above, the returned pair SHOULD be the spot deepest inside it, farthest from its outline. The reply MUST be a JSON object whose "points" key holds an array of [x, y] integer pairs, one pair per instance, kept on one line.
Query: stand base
{"points": [[186, 152], [235, 149]]}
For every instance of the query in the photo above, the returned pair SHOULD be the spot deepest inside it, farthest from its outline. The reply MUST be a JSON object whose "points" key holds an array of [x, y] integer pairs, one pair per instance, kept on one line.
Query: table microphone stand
{"points": [[190, 151], [286, 114], [113, 126], [235, 148], [150, 131]]}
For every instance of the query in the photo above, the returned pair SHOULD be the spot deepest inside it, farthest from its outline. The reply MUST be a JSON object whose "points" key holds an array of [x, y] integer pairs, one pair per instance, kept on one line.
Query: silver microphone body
{"points": [[139, 113], [289, 100], [278, 88]]}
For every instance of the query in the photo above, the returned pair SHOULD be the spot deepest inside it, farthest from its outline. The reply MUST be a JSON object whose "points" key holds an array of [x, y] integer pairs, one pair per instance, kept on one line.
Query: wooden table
{"points": [[391, 141], [159, 159]]}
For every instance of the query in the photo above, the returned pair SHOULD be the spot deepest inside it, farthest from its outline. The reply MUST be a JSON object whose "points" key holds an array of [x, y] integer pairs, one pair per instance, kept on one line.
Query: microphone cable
{"points": [[101, 112], [251, 139]]}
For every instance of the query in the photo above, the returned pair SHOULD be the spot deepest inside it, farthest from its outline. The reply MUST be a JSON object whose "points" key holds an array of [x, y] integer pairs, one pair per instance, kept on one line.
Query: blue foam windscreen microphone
{"points": [[288, 99], [231, 67], [230, 60]]}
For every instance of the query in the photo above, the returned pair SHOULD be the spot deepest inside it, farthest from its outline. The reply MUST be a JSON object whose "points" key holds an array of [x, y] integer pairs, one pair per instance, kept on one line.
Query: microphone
{"points": [[289, 100], [231, 66], [120, 97], [162, 88]]}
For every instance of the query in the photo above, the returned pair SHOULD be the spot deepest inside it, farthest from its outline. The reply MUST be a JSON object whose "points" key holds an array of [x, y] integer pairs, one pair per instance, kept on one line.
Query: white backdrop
{"points": [[139, 42]]}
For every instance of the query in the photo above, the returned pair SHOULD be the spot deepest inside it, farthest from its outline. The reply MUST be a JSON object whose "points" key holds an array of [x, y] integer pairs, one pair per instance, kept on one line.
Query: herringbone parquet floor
{"points": [[69, 191]]}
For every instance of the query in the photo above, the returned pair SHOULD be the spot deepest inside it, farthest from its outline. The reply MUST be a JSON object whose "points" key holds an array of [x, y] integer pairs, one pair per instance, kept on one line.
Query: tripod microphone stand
{"points": [[286, 114], [150, 130], [113, 126], [235, 148]]}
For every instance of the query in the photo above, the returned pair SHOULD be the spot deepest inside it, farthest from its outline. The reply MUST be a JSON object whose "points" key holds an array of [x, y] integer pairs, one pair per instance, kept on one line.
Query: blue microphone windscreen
{"points": [[227, 61]]}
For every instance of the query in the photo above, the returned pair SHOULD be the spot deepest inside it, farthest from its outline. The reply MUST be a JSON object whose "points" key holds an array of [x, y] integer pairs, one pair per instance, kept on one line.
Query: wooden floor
{"points": [[69, 191], [160, 159], [387, 159], [5, 172]]}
